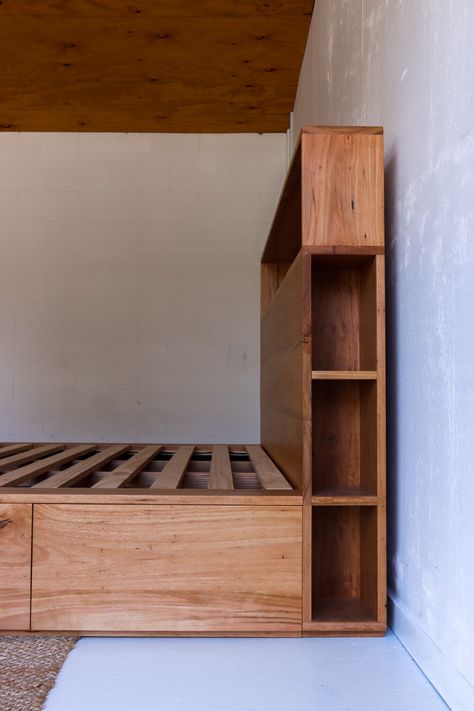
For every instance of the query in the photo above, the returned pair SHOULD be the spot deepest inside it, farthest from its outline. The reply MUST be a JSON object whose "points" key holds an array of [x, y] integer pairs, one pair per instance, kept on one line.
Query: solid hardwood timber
{"points": [[174, 470], [336, 324], [272, 275], [354, 253], [352, 214], [79, 471], [346, 130], [269, 476], [18, 476], [15, 566], [166, 633], [284, 239], [125, 472], [344, 375], [180, 497], [341, 628], [344, 609], [344, 422], [345, 570], [220, 476], [281, 382], [332, 209], [336, 553], [34, 453], [176, 569], [10, 449], [380, 437], [342, 499]]}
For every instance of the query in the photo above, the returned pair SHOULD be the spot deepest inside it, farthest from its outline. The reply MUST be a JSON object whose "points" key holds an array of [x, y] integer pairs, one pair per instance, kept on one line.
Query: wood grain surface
{"points": [[212, 66], [169, 568], [15, 566], [342, 189], [281, 385]]}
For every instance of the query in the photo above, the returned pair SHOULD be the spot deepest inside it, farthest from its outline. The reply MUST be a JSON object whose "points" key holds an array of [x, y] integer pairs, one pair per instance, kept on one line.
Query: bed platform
{"points": [[286, 538], [148, 539], [136, 469]]}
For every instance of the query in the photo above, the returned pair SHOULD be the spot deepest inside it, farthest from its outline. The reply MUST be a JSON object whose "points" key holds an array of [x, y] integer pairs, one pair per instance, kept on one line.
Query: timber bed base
{"points": [[284, 539], [148, 539]]}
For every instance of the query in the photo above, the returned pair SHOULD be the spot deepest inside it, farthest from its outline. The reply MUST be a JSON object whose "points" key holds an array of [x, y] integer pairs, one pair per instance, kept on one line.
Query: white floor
{"points": [[130, 674]]}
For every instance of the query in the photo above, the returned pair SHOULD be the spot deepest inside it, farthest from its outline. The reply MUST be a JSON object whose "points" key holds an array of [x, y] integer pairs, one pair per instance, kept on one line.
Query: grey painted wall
{"points": [[129, 284], [410, 66]]}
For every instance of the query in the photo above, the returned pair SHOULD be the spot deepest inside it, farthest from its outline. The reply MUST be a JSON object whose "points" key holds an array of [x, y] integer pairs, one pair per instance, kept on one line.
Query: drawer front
{"points": [[15, 566], [133, 568]]}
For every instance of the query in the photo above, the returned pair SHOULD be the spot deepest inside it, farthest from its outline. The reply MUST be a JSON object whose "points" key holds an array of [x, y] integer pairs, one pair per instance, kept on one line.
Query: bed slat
{"points": [[35, 453], [18, 476], [9, 449], [174, 470], [127, 471], [80, 470], [269, 476], [220, 476]]}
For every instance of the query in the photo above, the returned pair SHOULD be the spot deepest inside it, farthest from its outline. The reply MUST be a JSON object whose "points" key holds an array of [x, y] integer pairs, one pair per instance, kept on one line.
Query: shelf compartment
{"points": [[344, 313], [344, 564], [344, 434]]}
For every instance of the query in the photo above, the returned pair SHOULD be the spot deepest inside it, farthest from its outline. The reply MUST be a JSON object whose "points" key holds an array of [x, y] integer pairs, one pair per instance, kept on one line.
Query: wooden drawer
{"points": [[15, 566], [169, 568]]}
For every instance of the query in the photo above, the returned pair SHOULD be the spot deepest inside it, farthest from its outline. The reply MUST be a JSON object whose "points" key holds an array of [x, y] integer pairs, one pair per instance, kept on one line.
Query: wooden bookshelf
{"points": [[323, 371]]}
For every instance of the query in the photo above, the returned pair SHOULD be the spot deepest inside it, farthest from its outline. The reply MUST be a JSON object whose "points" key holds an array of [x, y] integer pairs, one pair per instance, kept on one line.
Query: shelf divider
{"points": [[344, 375], [344, 500]]}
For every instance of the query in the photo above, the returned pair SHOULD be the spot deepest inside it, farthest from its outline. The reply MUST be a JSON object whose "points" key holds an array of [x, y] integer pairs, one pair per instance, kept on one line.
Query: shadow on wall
{"points": [[391, 324]]}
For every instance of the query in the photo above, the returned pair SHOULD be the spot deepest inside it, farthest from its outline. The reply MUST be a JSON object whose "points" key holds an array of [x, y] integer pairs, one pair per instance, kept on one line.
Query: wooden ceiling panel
{"points": [[156, 8], [110, 65]]}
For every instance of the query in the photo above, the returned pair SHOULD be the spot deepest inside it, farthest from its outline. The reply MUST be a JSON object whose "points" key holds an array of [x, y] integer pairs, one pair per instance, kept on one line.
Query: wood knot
{"points": [[4, 522]]}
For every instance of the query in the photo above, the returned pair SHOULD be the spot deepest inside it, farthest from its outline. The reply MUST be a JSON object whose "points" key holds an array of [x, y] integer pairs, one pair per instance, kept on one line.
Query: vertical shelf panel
{"points": [[281, 376]]}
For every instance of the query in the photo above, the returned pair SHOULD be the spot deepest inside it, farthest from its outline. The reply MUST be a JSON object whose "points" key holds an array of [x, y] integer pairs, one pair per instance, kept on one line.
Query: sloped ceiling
{"points": [[163, 65]]}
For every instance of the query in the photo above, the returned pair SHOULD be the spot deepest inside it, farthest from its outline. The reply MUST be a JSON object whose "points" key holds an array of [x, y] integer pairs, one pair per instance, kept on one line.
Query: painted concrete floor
{"points": [[132, 674]]}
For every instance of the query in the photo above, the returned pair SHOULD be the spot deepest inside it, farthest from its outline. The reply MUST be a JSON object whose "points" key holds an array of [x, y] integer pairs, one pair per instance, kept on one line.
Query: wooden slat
{"points": [[269, 476], [220, 476], [10, 449], [18, 459], [82, 469], [18, 476], [174, 470], [129, 469]]}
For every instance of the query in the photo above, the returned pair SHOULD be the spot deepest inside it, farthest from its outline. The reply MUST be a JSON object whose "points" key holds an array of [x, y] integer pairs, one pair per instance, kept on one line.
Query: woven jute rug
{"points": [[28, 669]]}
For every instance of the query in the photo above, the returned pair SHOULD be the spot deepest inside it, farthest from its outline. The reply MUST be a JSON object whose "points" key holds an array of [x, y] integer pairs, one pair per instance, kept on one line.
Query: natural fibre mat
{"points": [[28, 669]]}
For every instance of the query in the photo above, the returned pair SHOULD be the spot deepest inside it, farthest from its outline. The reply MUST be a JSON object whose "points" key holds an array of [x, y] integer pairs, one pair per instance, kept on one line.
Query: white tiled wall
{"points": [[129, 284]]}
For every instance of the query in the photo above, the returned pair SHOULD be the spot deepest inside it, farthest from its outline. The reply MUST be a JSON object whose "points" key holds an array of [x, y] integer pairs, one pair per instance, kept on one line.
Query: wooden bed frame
{"points": [[282, 539]]}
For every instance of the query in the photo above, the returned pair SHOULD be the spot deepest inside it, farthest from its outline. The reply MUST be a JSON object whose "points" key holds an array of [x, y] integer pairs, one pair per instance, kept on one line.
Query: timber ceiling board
{"points": [[162, 65]]}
